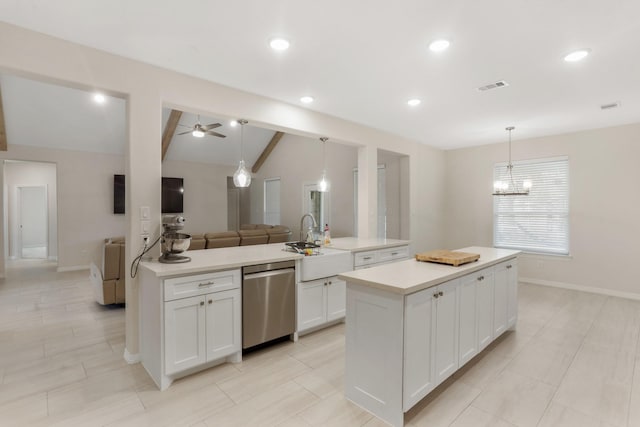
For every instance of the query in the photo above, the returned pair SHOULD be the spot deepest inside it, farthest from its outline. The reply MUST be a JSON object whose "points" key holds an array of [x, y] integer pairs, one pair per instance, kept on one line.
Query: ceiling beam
{"points": [[3, 129], [267, 150], [170, 130]]}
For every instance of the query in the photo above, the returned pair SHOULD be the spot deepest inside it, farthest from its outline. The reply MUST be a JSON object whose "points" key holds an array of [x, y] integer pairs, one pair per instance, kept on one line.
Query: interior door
{"points": [[33, 222]]}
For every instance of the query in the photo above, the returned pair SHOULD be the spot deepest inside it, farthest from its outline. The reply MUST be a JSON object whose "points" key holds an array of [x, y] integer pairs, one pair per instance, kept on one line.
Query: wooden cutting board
{"points": [[443, 256]]}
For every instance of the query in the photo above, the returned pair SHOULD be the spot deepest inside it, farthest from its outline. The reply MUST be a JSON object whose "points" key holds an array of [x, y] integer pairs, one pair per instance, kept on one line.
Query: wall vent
{"points": [[495, 85], [610, 106]]}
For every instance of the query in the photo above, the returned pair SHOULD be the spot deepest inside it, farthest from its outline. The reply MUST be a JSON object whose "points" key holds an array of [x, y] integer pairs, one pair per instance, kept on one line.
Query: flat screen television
{"points": [[172, 195]]}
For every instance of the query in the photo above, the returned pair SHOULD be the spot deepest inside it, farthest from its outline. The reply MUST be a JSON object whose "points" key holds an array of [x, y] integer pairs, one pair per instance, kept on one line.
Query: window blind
{"points": [[538, 222]]}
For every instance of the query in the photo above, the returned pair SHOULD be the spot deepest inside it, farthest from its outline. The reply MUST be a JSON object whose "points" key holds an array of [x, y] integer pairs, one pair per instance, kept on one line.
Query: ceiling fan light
{"points": [[241, 177], [197, 133]]}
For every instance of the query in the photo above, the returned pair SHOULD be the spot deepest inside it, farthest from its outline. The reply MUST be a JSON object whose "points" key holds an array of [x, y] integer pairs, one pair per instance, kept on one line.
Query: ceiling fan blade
{"points": [[185, 126], [184, 133], [219, 135], [210, 126]]}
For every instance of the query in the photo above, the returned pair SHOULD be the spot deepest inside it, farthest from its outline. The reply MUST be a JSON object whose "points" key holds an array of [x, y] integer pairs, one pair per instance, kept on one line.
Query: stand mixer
{"points": [[173, 243]]}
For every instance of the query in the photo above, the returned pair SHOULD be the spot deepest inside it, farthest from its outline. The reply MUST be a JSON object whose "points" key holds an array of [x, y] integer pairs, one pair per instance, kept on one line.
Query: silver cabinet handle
{"points": [[210, 301], [201, 302], [480, 278], [201, 285], [441, 293], [509, 266], [367, 258], [435, 295], [329, 281], [394, 253], [325, 283]]}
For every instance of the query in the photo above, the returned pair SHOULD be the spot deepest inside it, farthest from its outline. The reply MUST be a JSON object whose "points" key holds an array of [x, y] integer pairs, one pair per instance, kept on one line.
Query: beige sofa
{"points": [[107, 278]]}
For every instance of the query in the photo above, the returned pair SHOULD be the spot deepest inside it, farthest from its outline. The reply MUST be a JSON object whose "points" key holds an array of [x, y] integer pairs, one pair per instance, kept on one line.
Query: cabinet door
{"points": [[336, 298], [419, 325], [224, 336], [446, 330], [467, 296], [484, 298], [501, 299], [512, 292], [184, 333], [311, 304]]}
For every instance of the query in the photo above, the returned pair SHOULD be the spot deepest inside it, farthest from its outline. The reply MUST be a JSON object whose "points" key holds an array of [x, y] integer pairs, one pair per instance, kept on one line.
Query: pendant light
{"points": [[323, 184], [242, 176], [509, 188]]}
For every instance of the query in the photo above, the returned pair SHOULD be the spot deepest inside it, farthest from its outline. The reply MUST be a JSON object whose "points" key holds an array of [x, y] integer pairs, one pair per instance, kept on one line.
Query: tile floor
{"points": [[573, 361]]}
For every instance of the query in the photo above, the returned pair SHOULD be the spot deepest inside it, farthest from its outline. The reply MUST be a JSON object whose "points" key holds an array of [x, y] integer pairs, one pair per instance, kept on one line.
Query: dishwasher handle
{"points": [[268, 273]]}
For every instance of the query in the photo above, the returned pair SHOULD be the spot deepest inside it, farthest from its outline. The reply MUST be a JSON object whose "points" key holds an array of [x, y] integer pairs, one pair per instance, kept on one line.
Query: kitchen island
{"points": [[411, 325]]}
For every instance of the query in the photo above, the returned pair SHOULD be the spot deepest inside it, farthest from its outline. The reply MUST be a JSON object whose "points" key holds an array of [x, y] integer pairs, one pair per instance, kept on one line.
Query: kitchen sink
{"points": [[327, 262]]}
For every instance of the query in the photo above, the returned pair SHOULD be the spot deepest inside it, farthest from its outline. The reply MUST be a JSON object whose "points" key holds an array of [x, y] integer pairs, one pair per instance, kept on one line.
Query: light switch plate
{"points": [[144, 212], [144, 227]]}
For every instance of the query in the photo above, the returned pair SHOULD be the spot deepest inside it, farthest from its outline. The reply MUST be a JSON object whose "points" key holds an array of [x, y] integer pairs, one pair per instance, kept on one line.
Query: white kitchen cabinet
{"points": [[367, 259], [189, 323], [512, 294], [184, 328], [484, 295], [201, 329], [419, 321], [431, 339], [468, 318], [501, 298], [320, 301], [336, 298], [446, 330], [223, 323]]}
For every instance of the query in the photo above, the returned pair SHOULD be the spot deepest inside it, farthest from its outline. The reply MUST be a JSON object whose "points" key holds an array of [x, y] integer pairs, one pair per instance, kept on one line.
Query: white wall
{"points": [[205, 194], [18, 174], [84, 196], [604, 205], [297, 160]]}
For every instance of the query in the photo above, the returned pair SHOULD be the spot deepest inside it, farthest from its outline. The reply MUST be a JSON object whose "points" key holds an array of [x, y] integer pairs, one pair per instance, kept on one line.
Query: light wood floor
{"points": [[573, 361]]}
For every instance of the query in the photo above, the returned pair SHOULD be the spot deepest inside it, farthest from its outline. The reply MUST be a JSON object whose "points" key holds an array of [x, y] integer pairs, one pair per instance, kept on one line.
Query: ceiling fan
{"points": [[199, 130]]}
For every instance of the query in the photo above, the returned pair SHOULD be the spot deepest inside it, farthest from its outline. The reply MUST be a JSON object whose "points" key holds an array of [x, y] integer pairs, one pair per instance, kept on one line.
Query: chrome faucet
{"points": [[315, 224]]}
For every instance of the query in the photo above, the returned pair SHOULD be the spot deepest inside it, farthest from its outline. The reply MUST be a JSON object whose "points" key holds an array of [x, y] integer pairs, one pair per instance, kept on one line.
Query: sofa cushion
{"points": [[279, 234], [222, 240], [197, 242], [253, 237]]}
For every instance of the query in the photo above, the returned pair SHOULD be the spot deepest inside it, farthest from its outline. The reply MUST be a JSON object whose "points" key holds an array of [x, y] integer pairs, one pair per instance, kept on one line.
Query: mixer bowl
{"points": [[175, 243]]}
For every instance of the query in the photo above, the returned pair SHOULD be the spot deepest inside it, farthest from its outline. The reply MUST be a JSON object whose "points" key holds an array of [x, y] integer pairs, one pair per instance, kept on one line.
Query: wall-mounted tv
{"points": [[172, 195]]}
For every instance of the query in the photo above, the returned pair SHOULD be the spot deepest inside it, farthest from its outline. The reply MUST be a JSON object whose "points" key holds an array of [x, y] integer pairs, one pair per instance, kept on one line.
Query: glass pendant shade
{"points": [[323, 183], [242, 176]]}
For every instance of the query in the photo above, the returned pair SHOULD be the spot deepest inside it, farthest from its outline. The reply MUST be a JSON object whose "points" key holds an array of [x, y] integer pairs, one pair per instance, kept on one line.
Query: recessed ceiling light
{"points": [[414, 102], [99, 98], [577, 55], [439, 45], [279, 43], [306, 99]]}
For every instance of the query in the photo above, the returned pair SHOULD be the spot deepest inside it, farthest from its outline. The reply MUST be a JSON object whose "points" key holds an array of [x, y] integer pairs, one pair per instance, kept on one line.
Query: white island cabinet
{"points": [[411, 325]]}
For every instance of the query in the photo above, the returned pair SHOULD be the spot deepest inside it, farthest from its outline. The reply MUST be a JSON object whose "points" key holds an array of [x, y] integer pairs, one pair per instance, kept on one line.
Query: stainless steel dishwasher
{"points": [[268, 302]]}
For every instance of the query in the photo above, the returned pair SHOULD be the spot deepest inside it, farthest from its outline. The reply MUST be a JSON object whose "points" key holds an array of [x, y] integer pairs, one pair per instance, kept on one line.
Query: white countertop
{"points": [[409, 276], [222, 259], [356, 244]]}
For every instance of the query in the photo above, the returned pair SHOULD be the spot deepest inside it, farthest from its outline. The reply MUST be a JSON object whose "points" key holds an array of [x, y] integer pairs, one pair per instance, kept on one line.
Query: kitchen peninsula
{"points": [[411, 325]]}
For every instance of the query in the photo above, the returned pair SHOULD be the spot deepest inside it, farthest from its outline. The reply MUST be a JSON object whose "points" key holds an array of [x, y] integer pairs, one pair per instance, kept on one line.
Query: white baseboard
{"points": [[131, 358], [72, 268], [52, 258], [591, 289]]}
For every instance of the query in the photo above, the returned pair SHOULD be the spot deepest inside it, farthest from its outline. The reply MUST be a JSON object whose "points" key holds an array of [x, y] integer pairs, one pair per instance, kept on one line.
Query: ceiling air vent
{"points": [[495, 85], [610, 106]]}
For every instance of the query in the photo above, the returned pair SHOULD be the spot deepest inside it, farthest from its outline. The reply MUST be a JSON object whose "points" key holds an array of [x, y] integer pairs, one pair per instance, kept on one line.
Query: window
{"points": [[538, 222]]}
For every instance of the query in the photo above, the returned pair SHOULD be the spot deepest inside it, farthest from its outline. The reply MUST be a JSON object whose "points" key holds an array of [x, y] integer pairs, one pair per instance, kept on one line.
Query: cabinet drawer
{"points": [[200, 284], [365, 258], [393, 254]]}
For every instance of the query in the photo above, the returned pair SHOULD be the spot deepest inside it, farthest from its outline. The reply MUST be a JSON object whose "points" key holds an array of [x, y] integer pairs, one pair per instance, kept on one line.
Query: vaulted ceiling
{"points": [[362, 61]]}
